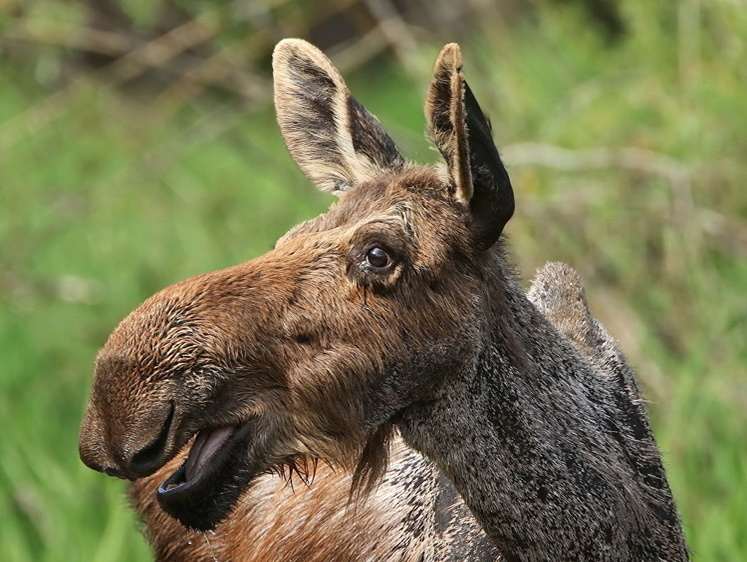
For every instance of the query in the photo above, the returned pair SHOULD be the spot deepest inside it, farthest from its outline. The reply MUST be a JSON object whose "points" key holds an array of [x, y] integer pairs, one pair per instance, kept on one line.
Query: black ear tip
{"points": [[472, 105]]}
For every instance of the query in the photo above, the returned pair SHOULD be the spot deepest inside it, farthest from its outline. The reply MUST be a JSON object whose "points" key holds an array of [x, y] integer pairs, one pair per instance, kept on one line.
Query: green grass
{"points": [[106, 198]]}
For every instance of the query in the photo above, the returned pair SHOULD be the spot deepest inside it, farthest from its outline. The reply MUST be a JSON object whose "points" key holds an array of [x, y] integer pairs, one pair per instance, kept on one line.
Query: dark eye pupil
{"points": [[377, 257]]}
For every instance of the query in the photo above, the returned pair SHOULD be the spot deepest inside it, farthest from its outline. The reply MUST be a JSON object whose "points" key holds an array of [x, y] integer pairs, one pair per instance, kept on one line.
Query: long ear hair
{"points": [[335, 141], [461, 132]]}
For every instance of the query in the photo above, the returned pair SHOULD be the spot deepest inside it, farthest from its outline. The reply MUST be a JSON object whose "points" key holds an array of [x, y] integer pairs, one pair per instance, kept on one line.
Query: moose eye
{"points": [[378, 257]]}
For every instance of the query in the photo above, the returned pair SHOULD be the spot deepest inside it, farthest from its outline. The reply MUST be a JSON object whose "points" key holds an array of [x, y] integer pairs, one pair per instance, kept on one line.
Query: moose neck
{"points": [[537, 445]]}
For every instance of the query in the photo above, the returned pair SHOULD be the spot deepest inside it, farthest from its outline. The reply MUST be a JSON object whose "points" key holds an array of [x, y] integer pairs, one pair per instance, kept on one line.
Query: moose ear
{"points": [[335, 141], [461, 132]]}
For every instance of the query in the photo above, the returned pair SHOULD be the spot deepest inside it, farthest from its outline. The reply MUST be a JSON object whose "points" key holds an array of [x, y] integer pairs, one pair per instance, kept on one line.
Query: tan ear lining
{"points": [[336, 142], [447, 128]]}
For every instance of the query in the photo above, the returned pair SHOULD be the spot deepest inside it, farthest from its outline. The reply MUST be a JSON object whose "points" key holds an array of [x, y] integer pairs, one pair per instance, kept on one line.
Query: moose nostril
{"points": [[147, 459]]}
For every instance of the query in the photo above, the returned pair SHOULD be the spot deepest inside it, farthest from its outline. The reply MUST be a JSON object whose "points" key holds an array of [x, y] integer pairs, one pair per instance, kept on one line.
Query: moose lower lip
{"points": [[203, 490], [174, 482]]}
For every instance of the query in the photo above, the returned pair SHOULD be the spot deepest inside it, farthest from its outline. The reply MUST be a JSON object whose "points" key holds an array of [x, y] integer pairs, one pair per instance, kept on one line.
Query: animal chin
{"points": [[204, 490]]}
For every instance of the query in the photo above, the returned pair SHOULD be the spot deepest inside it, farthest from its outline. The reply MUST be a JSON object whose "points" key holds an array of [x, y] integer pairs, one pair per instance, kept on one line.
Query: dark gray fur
{"points": [[557, 461]]}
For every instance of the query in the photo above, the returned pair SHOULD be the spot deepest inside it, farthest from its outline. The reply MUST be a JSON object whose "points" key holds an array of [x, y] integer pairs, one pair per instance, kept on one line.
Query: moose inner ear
{"points": [[461, 132], [335, 141]]}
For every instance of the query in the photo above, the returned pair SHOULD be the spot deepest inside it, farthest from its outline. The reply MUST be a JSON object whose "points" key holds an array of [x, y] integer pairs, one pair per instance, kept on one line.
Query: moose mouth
{"points": [[204, 490]]}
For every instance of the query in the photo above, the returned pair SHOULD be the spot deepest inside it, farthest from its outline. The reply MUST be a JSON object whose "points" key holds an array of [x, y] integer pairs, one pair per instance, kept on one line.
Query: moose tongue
{"points": [[206, 444]]}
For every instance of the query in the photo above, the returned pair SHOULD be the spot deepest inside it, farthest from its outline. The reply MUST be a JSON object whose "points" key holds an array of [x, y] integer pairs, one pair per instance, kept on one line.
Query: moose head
{"points": [[315, 349]]}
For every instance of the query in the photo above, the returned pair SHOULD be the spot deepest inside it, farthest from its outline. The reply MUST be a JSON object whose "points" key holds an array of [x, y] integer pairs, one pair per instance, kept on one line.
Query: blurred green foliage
{"points": [[132, 157]]}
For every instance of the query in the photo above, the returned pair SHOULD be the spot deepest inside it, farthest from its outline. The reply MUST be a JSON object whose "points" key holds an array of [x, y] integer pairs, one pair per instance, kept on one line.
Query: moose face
{"points": [[312, 350]]}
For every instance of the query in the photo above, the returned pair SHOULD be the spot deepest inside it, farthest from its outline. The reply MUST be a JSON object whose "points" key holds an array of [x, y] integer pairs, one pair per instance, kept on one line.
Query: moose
{"points": [[385, 353]]}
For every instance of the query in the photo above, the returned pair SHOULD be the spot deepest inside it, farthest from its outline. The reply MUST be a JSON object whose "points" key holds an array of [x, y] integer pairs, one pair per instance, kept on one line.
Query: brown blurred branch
{"points": [[227, 67], [134, 62], [629, 158], [728, 232], [397, 33], [162, 49], [82, 38]]}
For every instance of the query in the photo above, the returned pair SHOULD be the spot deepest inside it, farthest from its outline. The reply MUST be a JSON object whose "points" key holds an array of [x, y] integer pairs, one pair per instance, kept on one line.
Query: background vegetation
{"points": [[138, 147]]}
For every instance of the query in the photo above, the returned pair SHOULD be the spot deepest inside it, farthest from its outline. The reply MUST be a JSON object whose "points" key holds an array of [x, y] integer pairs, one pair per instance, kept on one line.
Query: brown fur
{"points": [[295, 522], [396, 309]]}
